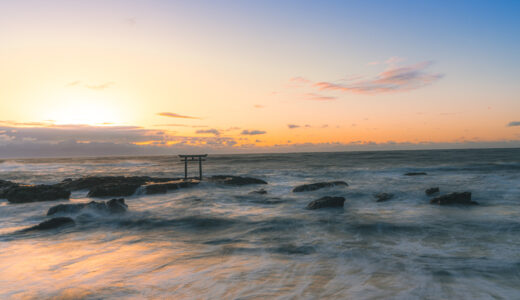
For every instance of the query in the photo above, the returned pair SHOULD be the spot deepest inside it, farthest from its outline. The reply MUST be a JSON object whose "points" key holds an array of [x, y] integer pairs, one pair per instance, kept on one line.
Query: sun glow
{"points": [[84, 112]]}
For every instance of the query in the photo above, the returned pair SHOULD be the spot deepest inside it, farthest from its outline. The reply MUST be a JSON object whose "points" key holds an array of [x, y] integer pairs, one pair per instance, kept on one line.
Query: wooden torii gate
{"points": [[186, 158]]}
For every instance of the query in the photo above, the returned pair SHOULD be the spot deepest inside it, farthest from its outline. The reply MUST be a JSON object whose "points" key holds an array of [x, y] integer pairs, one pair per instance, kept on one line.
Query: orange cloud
{"points": [[174, 115]]}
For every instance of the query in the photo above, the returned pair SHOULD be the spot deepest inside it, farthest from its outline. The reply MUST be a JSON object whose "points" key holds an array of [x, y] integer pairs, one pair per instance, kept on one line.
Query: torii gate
{"points": [[187, 158]]}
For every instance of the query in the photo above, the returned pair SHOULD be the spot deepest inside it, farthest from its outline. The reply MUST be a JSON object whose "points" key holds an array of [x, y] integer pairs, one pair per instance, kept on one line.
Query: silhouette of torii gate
{"points": [[186, 158]]}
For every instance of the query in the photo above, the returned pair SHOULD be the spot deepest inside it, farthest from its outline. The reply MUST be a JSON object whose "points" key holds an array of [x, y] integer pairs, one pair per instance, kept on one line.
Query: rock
{"points": [[235, 180], [52, 223], [382, 197], [90, 182], [317, 186], [36, 193], [258, 192], [116, 206], [113, 190], [463, 198], [431, 191], [326, 201], [5, 186], [111, 206], [164, 187], [415, 174]]}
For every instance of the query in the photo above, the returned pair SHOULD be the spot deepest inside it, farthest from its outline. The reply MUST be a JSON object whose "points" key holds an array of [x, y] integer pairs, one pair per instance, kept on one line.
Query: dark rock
{"points": [[5, 186], [111, 206], [415, 173], [326, 201], [431, 191], [66, 208], [90, 182], [116, 206], [36, 193], [258, 192], [382, 197], [463, 198], [52, 223], [113, 190], [317, 186], [164, 187], [235, 180]]}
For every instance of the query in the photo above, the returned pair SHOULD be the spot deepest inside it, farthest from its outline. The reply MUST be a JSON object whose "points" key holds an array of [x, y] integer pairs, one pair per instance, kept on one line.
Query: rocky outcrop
{"points": [[382, 197], [36, 193], [432, 191], [317, 186], [111, 206], [164, 187], [235, 180], [326, 201], [5, 186], [463, 198], [89, 182], [123, 189], [415, 174], [52, 223]]}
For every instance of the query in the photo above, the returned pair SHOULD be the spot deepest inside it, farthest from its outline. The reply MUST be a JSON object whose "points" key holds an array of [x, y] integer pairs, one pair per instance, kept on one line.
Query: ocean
{"points": [[214, 241]]}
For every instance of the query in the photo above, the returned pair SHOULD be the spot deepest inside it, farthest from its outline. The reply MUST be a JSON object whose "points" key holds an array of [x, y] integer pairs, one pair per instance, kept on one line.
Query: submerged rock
{"points": [[463, 198], [111, 206], [52, 223], [326, 201], [36, 193], [317, 186], [382, 197], [431, 191], [235, 180], [258, 192], [164, 187], [415, 174]]}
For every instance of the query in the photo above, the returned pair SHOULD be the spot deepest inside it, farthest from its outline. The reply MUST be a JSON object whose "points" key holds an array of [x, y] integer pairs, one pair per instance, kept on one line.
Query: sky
{"points": [[88, 78]]}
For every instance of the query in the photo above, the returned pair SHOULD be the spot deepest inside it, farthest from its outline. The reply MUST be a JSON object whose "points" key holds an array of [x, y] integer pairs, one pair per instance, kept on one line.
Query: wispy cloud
{"points": [[101, 86], [318, 97], [513, 124], [73, 83], [180, 125], [258, 106], [210, 131], [130, 21], [293, 126], [174, 115], [252, 132], [395, 79]]}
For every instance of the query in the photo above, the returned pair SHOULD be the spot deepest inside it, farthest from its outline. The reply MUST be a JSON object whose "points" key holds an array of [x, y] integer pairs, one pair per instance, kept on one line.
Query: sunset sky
{"points": [[157, 77]]}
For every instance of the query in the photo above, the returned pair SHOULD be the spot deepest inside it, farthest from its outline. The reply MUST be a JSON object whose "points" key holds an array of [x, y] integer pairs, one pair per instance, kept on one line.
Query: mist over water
{"points": [[220, 242]]}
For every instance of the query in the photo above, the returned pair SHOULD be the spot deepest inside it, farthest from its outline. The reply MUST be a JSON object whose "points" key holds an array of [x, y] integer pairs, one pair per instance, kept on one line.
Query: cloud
{"points": [[514, 123], [130, 21], [396, 79], [293, 126], [174, 115], [210, 131], [99, 87], [258, 106], [73, 83], [252, 132], [318, 97], [85, 140], [299, 80]]}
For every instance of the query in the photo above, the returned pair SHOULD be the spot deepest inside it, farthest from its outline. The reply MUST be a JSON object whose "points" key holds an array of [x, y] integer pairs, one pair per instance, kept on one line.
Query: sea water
{"points": [[220, 242]]}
